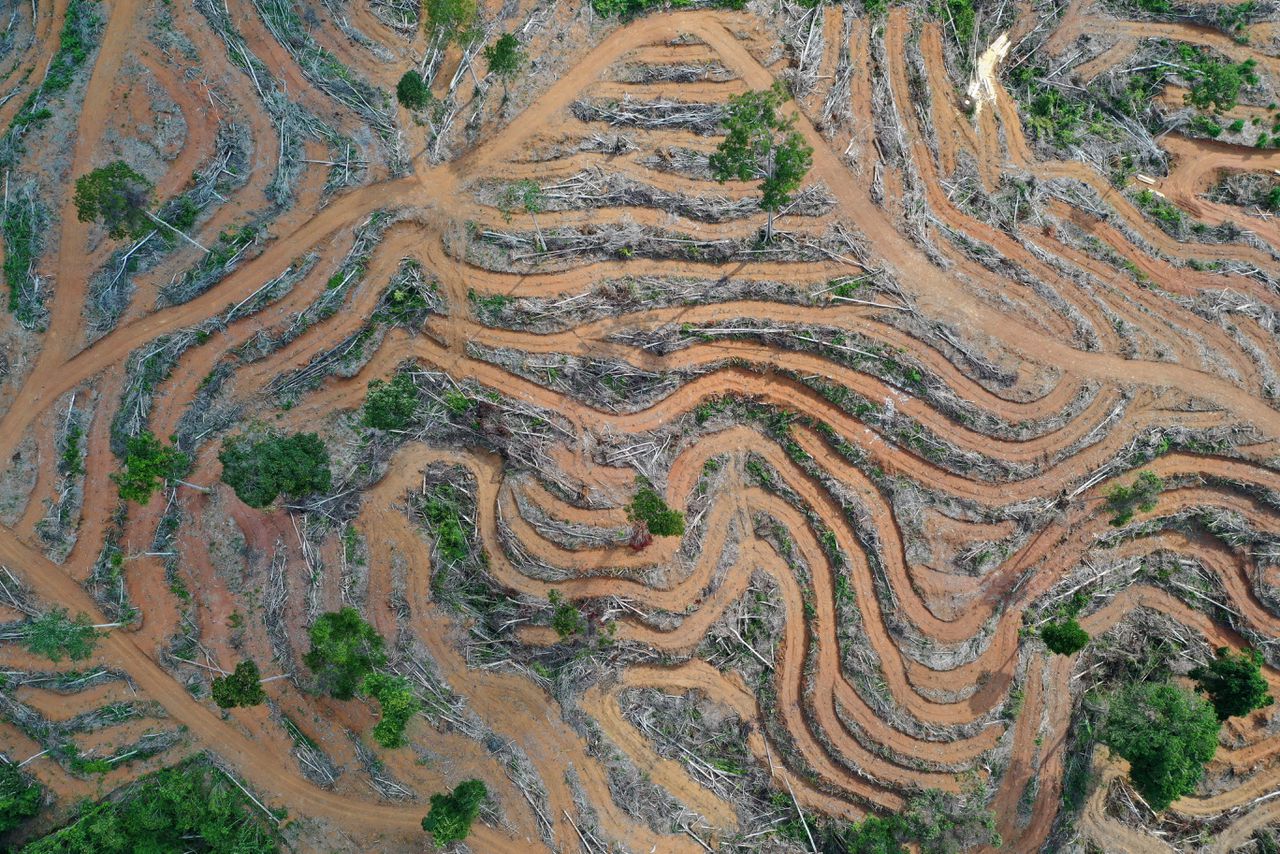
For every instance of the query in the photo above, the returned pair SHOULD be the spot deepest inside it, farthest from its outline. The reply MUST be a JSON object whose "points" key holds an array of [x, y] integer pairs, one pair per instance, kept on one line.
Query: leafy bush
{"points": [[648, 507], [452, 813], [398, 706], [1233, 683], [148, 463], [1215, 83], [56, 636], [567, 620], [412, 91], [344, 651], [504, 56], [760, 142], [118, 197], [1123, 501], [454, 20], [261, 469], [1064, 638], [19, 797], [1057, 118], [243, 687], [390, 405], [179, 809], [1167, 734]]}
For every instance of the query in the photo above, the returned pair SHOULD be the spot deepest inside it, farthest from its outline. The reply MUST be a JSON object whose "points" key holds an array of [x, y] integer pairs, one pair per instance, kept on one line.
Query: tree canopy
{"points": [[344, 650], [452, 813], [397, 703], [504, 57], [566, 619], [1234, 683], [243, 687], [116, 196], [1064, 637], [451, 20], [412, 91], [390, 405], [648, 507], [261, 469], [148, 463], [178, 809], [1167, 734], [760, 142], [56, 636], [19, 797]]}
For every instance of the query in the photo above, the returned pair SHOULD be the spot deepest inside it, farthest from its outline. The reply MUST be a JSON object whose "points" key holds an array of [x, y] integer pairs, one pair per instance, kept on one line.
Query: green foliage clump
{"points": [[441, 512], [1055, 117], [1237, 126], [1215, 83], [344, 651], [452, 813], [504, 57], [1272, 199], [23, 226], [412, 91], [1065, 637], [56, 636], [566, 620], [1233, 683], [648, 507], [935, 822], [179, 809], [760, 142], [1207, 126], [962, 17], [390, 405], [19, 797], [1165, 213], [1167, 734], [118, 197], [398, 705], [450, 20], [261, 469], [243, 687], [148, 463], [1124, 501]]}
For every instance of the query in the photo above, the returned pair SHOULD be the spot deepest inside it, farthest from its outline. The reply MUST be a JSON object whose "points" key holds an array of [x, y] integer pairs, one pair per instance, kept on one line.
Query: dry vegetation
{"points": [[681, 521]]}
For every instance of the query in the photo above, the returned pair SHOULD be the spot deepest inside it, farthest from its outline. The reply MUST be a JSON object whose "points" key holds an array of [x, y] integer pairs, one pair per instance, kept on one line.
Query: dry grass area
{"points": [[1021, 271]]}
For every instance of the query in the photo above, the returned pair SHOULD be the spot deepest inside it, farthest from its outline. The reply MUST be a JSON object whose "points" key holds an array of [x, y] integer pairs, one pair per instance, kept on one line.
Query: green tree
{"points": [[1065, 637], [148, 463], [412, 91], [19, 797], [1214, 83], [1167, 734], [452, 813], [504, 57], [344, 650], [56, 636], [1272, 199], [1233, 683], [566, 620], [263, 468], [760, 142], [187, 808], [648, 507], [398, 705], [450, 20], [390, 405], [116, 196], [243, 687], [1141, 495]]}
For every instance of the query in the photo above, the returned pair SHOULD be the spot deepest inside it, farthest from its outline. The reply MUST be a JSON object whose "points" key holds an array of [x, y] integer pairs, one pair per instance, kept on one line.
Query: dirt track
{"points": [[922, 517]]}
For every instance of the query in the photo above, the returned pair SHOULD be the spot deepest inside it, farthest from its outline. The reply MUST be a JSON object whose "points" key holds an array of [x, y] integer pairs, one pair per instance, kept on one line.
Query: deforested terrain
{"points": [[634, 426]]}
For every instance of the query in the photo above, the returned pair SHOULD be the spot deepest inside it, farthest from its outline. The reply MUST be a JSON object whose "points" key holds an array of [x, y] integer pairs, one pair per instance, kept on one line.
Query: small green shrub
{"points": [[1065, 637], [453, 813], [243, 687], [648, 507]]}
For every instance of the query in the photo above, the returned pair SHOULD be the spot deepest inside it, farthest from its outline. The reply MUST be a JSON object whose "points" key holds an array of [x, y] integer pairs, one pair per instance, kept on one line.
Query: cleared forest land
{"points": [[393, 397]]}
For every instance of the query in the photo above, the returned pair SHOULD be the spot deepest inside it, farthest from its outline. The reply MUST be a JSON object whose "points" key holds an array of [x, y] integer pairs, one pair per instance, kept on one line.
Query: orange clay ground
{"points": [[892, 430]]}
